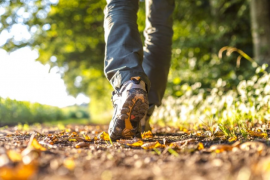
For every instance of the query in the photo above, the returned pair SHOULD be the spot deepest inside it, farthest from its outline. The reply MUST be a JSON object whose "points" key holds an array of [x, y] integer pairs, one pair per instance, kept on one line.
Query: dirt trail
{"points": [[100, 159]]}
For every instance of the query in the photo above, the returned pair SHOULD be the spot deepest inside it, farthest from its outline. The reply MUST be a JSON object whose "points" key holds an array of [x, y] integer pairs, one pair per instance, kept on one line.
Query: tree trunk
{"points": [[260, 23]]}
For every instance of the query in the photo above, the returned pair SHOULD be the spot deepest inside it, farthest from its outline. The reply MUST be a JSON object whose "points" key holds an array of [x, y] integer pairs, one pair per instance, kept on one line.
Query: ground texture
{"points": [[85, 152]]}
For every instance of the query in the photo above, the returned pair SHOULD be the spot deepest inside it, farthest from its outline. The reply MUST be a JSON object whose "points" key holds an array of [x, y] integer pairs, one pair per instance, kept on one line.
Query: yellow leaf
{"points": [[186, 131], [104, 136], [218, 148], [19, 172], [200, 146], [72, 140], [69, 164], [33, 143], [231, 139], [87, 138], [136, 144], [147, 135], [258, 134], [74, 134], [14, 156], [133, 142], [152, 145]]}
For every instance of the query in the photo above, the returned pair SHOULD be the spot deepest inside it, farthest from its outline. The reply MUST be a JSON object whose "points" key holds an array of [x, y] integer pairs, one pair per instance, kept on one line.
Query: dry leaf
{"points": [[186, 131], [19, 172], [82, 144], [14, 156], [136, 144], [200, 146], [33, 143], [73, 134], [218, 148], [133, 143], [147, 135], [104, 136], [231, 139], [258, 134], [152, 145], [76, 139], [87, 138]]}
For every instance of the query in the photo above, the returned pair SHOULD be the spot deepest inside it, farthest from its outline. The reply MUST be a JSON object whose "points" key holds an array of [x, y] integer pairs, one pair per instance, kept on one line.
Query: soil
{"points": [[104, 160]]}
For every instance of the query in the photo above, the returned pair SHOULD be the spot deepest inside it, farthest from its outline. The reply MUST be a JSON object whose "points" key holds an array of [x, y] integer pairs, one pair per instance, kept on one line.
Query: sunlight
{"points": [[23, 78]]}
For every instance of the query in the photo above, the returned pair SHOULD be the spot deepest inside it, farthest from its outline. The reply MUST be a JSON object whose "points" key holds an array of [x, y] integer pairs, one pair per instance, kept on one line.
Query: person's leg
{"points": [[157, 51], [123, 67], [123, 50]]}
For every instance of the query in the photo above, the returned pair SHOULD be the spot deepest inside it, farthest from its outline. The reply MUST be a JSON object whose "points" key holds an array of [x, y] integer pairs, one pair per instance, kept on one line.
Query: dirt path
{"points": [[99, 159]]}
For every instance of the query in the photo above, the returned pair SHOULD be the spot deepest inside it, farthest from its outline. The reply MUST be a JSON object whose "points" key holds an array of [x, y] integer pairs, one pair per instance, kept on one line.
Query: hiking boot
{"points": [[130, 106], [145, 122]]}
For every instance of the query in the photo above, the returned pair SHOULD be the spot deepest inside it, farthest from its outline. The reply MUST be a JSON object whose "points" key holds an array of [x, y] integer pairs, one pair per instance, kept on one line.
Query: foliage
{"points": [[69, 35], [232, 111], [201, 28], [13, 112]]}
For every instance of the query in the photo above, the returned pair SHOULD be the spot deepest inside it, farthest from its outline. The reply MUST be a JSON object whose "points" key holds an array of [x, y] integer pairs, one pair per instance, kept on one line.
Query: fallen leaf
{"points": [[19, 172], [186, 131], [258, 134], [231, 139], [152, 145], [73, 134], [218, 148], [33, 143], [87, 138], [147, 135], [14, 156], [200, 146], [82, 144], [136, 142], [104, 136]]}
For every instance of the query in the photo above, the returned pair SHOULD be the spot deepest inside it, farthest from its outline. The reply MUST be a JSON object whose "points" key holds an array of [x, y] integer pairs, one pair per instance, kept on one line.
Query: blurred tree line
{"points": [[68, 34], [13, 112]]}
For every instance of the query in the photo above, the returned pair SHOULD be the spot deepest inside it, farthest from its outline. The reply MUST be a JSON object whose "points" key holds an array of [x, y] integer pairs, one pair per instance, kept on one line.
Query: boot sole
{"points": [[133, 110]]}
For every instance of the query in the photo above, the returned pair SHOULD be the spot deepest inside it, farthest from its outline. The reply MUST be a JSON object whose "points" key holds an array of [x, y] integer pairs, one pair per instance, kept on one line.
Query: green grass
{"points": [[233, 112]]}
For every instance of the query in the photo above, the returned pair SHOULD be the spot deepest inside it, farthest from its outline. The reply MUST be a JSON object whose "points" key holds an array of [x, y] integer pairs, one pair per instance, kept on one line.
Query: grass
{"points": [[241, 111]]}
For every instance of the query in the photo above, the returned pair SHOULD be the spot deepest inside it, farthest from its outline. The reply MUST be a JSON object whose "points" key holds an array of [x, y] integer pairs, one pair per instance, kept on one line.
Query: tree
{"points": [[260, 18], [69, 35]]}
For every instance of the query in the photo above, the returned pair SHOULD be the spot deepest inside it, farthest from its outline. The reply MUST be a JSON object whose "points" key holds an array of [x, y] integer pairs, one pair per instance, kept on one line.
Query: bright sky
{"points": [[23, 78]]}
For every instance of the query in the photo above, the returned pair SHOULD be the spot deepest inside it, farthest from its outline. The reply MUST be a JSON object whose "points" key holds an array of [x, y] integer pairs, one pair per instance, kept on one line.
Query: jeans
{"points": [[125, 56]]}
